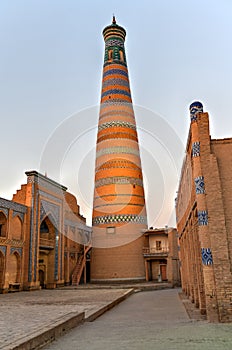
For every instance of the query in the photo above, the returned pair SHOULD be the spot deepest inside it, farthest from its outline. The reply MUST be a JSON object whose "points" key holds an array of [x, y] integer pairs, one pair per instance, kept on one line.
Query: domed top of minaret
{"points": [[195, 108], [114, 31]]}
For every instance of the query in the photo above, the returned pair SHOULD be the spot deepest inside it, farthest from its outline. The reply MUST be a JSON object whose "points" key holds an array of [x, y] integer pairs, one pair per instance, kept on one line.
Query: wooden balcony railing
{"points": [[147, 251]]}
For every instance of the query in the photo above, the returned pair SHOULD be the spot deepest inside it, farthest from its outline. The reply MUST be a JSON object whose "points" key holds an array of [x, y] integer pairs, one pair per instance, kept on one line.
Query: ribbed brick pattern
{"points": [[119, 212], [117, 144]]}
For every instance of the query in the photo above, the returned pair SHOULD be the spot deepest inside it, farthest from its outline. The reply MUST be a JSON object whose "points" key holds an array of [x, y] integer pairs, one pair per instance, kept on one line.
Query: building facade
{"points": [[43, 238], [161, 255], [204, 219], [119, 212]]}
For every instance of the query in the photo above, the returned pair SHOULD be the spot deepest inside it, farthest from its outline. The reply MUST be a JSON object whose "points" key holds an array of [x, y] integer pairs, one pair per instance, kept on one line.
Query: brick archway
{"points": [[14, 268]]}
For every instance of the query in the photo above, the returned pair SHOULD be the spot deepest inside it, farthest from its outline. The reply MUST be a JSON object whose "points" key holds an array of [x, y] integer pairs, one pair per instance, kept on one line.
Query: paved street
{"points": [[26, 313], [147, 321]]}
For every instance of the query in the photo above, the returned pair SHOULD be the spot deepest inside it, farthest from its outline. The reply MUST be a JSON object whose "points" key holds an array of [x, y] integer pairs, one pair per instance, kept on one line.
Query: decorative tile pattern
{"points": [[13, 242], [115, 150], [31, 234], [3, 249], [36, 236], [195, 108], [206, 256], [51, 197], [196, 149], [113, 100], [50, 209], [115, 81], [16, 250], [115, 92], [107, 219], [202, 217], [116, 123], [118, 164], [114, 42], [118, 136], [115, 104], [119, 180], [20, 215], [45, 182], [199, 184], [5, 211], [115, 71], [56, 254], [7, 204], [120, 113], [61, 265]]}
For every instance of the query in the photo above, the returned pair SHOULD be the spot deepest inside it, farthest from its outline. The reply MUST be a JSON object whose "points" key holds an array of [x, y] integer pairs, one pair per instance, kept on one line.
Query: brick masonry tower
{"points": [[204, 211], [119, 212]]}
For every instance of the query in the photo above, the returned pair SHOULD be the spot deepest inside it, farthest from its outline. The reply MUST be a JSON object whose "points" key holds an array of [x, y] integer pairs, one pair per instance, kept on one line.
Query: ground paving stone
{"points": [[154, 320], [26, 312]]}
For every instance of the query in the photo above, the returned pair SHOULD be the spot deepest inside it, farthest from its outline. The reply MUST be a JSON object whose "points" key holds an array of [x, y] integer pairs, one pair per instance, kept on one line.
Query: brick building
{"points": [[160, 254], [204, 219], [44, 240], [119, 212]]}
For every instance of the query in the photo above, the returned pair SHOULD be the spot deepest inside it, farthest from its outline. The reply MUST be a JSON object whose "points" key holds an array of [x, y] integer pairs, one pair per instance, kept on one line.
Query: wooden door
{"points": [[163, 272]]}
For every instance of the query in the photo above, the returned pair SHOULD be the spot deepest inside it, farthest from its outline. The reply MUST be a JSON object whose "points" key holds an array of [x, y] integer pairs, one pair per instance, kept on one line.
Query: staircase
{"points": [[80, 265]]}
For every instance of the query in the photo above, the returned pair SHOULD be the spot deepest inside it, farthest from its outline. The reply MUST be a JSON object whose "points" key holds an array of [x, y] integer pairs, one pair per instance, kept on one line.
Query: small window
{"points": [[2, 230], [3, 225], [110, 54], [44, 227], [110, 229], [121, 56], [158, 245]]}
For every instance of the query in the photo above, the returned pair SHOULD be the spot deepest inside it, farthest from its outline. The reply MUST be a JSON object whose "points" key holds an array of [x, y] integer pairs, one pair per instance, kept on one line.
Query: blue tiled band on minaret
{"points": [[116, 123], [115, 71], [116, 92], [129, 218]]}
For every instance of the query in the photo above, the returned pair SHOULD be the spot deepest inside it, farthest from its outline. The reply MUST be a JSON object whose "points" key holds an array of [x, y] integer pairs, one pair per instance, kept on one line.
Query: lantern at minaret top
{"points": [[119, 212], [114, 37]]}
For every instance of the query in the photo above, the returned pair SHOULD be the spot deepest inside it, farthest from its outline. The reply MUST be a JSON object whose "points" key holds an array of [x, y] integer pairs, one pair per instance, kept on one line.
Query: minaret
{"points": [[119, 212]]}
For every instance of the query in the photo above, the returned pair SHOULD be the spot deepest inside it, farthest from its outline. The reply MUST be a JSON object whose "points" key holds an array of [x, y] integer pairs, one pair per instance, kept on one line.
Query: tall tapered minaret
{"points": [[119, 213]]}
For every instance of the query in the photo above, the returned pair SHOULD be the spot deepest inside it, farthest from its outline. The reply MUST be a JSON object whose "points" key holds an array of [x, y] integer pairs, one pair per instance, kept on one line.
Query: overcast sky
{"points": [[51, 69]]}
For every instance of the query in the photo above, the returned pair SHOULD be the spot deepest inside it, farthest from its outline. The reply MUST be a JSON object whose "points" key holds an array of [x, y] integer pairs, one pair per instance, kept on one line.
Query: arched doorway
{"points": [[3, 224], [46, 253], [16, 228], [14, 271], [41, 278]]}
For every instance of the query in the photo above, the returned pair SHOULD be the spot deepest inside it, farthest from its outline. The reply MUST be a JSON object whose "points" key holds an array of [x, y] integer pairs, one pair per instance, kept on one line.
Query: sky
{"points": [[51, 69]]}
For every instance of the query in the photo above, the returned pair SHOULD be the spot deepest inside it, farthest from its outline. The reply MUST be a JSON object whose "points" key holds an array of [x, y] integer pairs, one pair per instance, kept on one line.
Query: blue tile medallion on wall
{"points": [[196, 149], [202, 217], [206, 256], [199, 184]]}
